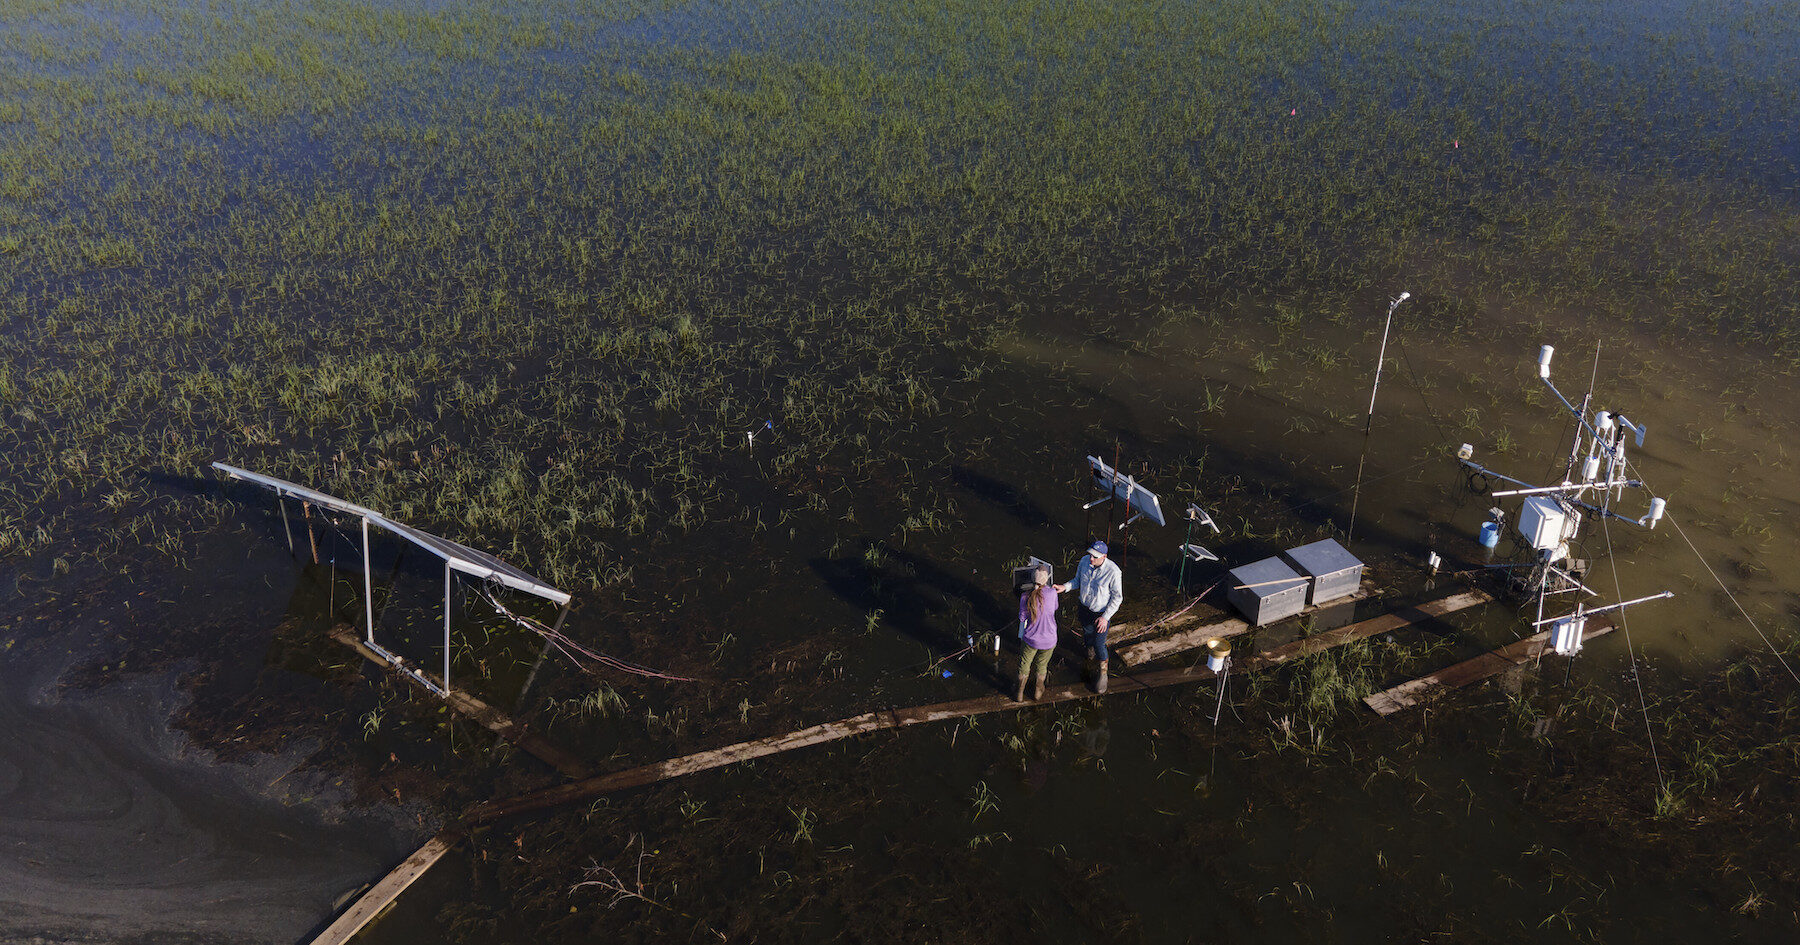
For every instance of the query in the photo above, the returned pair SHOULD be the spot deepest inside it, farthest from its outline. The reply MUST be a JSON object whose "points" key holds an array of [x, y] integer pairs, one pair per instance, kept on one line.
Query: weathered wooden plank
{"points": [[1123, 633], [900, 718], [370, 904], [1190, 638], [745, 751], [545, 750], [1393, 620], [1179, 641], [382, 894], [1471, 671]]}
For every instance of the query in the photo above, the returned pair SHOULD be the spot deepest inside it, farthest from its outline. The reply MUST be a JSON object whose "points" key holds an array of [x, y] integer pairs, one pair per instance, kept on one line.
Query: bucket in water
{"points": [[1490, 534]]}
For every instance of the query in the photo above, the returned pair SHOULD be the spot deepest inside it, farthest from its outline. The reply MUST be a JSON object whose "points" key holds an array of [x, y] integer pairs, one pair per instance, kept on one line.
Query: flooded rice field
{"points": [[777, 334]]}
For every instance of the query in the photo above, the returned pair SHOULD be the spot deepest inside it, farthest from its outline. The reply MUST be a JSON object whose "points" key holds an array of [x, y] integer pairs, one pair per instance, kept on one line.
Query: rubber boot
{"points": [[1020, 695], [1100, 680]]}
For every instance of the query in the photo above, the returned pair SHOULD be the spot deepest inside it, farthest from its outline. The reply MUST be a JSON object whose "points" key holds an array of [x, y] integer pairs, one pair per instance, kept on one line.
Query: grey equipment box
{"points": [[1335, 572], [1025, 578], [1279, 592]]}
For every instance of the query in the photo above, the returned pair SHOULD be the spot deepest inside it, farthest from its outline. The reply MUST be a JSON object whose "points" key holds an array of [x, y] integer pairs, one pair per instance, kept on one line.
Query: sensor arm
{"points": [[1529, 489], [1477, 467], [1542, 490], [1609, 607]]}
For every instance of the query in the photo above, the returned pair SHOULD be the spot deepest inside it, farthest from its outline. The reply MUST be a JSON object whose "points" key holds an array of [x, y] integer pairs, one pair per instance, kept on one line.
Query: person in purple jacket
{"points": [[1037, 633]]}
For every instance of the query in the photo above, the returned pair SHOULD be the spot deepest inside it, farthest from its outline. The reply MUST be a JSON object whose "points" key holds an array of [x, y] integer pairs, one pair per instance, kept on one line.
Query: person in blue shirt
{"points": [[1101, 589]]}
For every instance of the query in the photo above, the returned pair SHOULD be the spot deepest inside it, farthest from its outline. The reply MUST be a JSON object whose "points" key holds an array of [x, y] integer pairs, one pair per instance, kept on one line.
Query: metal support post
{"points": [[446, 625], [368, 582], [1181, 577], [532, 676], [286, 530], [312, 539]]}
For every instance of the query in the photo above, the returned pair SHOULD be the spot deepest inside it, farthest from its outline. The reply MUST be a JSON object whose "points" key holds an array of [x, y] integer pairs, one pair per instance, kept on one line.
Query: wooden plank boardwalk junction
{"points": [[1469, 672], [545, 750], [371, 904], [1186, 632]]}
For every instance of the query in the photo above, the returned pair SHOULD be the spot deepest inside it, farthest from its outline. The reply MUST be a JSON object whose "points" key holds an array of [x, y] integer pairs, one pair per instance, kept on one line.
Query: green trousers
{"points": [[1030, 658]]}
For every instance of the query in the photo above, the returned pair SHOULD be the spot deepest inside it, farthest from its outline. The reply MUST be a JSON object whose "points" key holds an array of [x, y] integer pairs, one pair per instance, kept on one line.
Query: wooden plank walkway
{"points": [[545, 750], [1186, 637], [1469, 672], [980, 705], [370, 904], [1388, 622]]}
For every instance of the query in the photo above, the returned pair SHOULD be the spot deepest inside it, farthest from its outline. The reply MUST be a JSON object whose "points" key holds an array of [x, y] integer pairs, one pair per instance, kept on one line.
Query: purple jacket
{"points": [[1039, 634]]}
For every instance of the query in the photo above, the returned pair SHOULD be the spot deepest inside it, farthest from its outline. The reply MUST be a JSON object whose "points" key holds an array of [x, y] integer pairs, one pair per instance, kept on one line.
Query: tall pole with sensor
{"points": [[1369, 422]]}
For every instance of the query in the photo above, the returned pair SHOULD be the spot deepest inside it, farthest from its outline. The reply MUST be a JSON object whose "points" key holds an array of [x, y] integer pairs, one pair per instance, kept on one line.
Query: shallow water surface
{"points": [[528, 279], [113, 827]]}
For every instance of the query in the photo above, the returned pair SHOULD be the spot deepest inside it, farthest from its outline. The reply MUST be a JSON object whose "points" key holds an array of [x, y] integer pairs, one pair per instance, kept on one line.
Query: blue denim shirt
{"points": [[1101, 589]]}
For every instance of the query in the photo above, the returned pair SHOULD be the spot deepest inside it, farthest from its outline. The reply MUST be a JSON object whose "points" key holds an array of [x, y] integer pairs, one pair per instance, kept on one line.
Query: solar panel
{"points": [[1126, 489], [457, 555]]}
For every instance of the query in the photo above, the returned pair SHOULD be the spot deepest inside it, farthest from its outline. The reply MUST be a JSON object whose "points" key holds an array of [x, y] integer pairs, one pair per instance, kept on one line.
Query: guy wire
{"points": [[1631, 651], [1773, 651]]}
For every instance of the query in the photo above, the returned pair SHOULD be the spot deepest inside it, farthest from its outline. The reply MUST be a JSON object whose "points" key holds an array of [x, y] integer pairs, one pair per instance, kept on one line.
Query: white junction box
{"points": [[1545, 524]]}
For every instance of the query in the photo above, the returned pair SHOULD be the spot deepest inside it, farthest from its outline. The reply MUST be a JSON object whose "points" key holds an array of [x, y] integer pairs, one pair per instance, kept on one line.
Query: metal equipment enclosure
{"points": [[1266, 591], [1023, 577], [1334, 571], [457, 558]]}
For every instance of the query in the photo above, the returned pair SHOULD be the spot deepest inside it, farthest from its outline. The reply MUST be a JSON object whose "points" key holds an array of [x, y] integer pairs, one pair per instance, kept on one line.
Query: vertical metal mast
{"points": [[1369, 423], [368, 583], [446, 626]]}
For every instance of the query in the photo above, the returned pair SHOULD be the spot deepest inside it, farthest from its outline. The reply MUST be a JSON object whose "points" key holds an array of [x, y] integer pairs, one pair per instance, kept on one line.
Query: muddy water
{"points": [[1716, 449], [1137, 820], [114, 826], [261, 859]]}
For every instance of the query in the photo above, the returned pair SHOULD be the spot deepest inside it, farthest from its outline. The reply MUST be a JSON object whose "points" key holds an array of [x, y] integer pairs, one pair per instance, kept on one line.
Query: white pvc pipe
{"points": [[368, 582], [446, 626]]}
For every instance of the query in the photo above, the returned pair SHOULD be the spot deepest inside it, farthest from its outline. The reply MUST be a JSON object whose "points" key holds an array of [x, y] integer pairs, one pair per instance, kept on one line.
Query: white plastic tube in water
{"points": [[1544, 354]]}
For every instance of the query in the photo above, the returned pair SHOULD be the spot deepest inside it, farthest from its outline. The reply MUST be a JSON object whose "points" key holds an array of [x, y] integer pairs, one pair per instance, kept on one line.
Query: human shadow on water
{"points": [[921, 599], [196, 485], [256, 502], [1002, 494]]}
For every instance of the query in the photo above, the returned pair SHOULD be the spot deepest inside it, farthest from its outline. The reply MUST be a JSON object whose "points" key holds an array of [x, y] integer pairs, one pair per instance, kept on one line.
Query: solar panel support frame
{"points": [[446, 550]]}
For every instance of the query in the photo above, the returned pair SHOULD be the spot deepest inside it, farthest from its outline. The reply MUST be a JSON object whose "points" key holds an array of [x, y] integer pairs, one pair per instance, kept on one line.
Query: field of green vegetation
{"points": [[530, 275], [526, 275]]}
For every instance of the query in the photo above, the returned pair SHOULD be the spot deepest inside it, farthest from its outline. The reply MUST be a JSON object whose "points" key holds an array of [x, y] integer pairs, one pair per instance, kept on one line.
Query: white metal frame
{"points": [[456, 557]]}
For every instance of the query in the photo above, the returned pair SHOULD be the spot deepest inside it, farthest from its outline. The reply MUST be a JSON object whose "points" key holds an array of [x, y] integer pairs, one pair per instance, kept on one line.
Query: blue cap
{"points": [[1097, 548]]}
